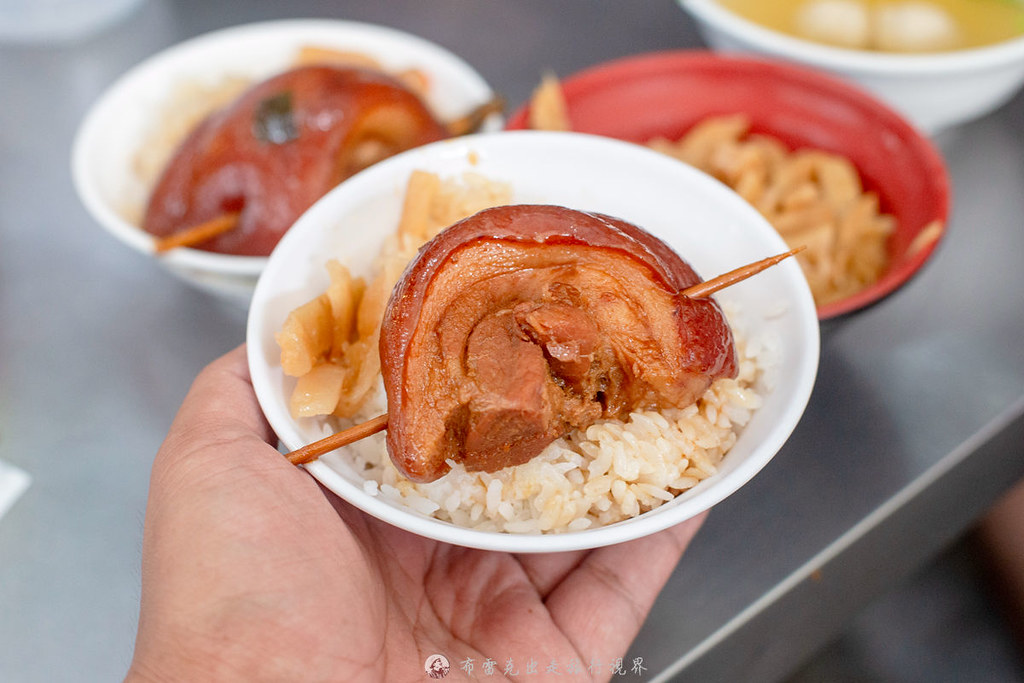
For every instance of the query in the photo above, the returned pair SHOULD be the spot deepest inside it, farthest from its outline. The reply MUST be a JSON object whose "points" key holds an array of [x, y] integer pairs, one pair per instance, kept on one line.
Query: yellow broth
{"points": [[977, 22]]}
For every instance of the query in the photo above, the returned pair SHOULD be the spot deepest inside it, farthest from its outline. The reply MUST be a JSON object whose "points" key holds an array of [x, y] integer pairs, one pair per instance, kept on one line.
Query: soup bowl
{"points": [[936, 91]]}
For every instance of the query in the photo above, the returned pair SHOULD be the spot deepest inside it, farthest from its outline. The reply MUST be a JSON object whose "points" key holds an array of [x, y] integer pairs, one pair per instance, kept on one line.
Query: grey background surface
{"points": [[916, 424]]}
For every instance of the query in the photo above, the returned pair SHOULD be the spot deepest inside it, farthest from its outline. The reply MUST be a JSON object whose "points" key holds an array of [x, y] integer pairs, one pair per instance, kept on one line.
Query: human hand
{"points": [[251, 571]]}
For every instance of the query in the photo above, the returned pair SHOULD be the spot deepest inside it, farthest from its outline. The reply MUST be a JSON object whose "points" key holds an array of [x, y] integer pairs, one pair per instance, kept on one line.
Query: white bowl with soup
{"points": [[939, 62], [627, 482]]}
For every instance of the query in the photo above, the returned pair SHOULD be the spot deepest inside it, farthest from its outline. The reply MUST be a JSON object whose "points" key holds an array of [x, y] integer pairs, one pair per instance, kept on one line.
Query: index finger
{"points": [[602, 603]]}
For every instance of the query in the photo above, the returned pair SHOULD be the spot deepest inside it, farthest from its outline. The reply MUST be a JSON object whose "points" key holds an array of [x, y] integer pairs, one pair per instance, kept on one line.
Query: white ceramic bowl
{"points": [[109, 138], [935, 91], [695, 214]]}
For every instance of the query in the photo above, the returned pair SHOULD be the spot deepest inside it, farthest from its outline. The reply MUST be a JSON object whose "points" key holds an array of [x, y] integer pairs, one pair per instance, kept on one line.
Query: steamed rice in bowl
{"points": [[614, 480], [608, 472], [131, 132], [611, 471]]}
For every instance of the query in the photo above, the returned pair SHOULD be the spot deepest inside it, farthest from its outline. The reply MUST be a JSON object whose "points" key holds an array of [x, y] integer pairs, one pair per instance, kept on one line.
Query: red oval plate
{"points": [[665, 93]]}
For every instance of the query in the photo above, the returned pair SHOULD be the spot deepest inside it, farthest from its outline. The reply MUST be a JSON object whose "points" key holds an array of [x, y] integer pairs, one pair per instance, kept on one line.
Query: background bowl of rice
{"points": [[662, 96], [606, 492], [133, 128]]}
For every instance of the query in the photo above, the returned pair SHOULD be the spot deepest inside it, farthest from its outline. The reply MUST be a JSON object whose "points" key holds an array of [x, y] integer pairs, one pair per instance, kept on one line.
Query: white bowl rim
{"points": [[642, 525], [862, 61], [134, 236]]}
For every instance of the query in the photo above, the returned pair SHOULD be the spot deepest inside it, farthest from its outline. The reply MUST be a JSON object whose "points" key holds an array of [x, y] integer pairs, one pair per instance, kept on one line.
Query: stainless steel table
{"points": [[916, 425]]}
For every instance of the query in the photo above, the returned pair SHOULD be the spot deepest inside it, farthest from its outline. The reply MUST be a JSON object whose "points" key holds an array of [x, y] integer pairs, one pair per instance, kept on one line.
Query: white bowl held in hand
{"points": [[707, 224], [935, 90], [108, 146]]}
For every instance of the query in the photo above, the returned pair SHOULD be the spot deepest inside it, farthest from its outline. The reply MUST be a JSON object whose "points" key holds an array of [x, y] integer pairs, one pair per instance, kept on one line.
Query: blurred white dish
{"points": [[59, 21], [705, 222], [108, 141], [936, 91]]}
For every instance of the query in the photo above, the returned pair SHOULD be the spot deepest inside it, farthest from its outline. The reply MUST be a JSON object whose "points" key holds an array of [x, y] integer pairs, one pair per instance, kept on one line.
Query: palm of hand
{"points": [[260, 574]]}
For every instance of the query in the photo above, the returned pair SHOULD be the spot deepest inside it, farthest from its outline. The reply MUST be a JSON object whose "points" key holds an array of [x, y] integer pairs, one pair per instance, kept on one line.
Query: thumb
{"points": [[219, 413]]}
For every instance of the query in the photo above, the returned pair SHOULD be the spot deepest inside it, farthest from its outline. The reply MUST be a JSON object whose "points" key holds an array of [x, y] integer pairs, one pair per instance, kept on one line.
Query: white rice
{"points": [[611, 471]]}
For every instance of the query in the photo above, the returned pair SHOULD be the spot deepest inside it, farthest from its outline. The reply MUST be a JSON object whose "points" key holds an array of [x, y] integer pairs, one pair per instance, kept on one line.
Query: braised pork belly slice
{"points": [[522, 323]]}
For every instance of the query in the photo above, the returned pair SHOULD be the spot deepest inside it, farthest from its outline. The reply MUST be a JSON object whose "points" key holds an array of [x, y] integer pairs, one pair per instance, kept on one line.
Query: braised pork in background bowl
{"points": [[571, 496], [826, 162], [132, 132]]}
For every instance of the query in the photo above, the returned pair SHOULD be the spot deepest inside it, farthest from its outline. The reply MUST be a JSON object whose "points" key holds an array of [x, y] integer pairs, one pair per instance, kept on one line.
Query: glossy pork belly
{"points": [[281, 146], [522, 323]]}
